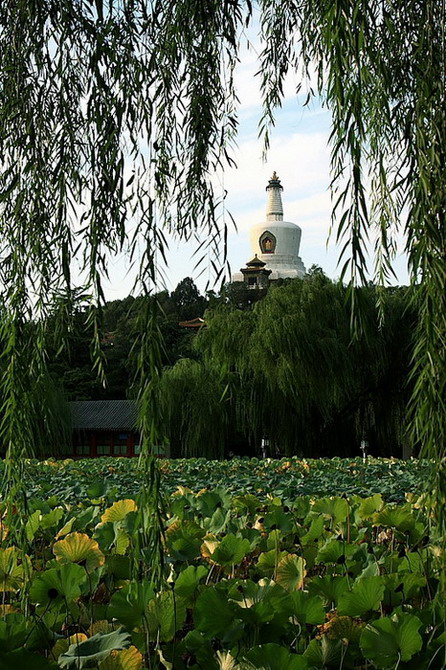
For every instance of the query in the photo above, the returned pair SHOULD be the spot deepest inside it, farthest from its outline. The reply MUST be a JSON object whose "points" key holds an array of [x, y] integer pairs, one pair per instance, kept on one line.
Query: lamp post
{"points": [[364, 446], [265, 446]]}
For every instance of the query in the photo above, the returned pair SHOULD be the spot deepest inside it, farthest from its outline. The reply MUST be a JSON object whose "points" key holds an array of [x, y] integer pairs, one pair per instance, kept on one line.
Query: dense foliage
{"points": [[288, 369], [76, 480], [250, 581], [119, 321]]}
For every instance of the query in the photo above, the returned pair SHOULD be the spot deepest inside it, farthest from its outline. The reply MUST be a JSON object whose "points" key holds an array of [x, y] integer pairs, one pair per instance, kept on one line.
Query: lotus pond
{"points": [[287, 477], [262, 578]]}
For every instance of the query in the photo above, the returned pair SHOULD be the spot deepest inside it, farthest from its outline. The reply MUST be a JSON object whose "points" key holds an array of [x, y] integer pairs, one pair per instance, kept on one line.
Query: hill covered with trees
{"points": [[281, 366]]}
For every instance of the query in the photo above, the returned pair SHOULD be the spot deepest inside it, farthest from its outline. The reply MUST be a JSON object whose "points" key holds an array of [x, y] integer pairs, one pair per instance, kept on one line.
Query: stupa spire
{"points": [[274, 207]]}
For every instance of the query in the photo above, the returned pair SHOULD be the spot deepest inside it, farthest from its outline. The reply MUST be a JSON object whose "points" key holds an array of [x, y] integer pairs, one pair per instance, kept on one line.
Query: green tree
{"points": [[288, 370]]}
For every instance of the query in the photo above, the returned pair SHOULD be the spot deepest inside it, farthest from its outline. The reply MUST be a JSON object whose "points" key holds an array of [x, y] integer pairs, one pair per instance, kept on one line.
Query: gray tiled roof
{"points": [[103, 414]]}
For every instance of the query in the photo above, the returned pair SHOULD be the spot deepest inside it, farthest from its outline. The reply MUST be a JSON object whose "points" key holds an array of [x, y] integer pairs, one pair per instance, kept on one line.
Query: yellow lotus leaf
{"points": [[102, 626], [182, 491], [127, 659], [122, 541], [6, 609], [119, 510], [210, 543], [14, 568], [81, 549], [4, 531], [62, 645]]}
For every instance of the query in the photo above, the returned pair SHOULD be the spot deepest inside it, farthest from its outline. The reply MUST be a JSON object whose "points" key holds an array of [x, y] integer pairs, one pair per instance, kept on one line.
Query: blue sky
{"points": [[299, 153]]}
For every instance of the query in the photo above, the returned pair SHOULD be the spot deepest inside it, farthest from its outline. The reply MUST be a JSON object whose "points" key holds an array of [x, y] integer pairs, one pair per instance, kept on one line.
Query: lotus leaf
{"points": [[369, 506], [213, 614], [325, 653], [64, 644], [183, 540], [21, 658], [305, 608], [81, 549], [94, 650], [127, 659], [130, 603], [335, 509], [314, 532], [274, 657], [395, 517], [269, 560], [187, 581], [230, 551], [32, 525], [119, 510], [57, 584], [290, 572], [389, 640], [166, 615], [330, 588], [366, 595], [12, 571], [14, 631]]}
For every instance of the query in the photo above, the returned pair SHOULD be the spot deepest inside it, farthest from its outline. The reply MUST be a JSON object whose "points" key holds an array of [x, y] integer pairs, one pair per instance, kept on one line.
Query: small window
{"points": [[252, 281], [120, 450], [83, 450], [103, 450], [137, 449]]}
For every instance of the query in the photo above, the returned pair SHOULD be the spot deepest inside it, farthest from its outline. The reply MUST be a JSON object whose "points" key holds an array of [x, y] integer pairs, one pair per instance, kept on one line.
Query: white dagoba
{"points": [[276, 242]]}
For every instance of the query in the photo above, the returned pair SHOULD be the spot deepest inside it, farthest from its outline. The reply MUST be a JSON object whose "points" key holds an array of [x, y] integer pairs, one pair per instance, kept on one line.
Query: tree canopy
{"points": [[288, 370]]}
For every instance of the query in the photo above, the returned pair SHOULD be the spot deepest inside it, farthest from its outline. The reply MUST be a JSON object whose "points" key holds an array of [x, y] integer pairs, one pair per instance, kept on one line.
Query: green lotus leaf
{"points": [[269, 560], [272, 656], [32, 525], [247, 501], [57, 584], [277, 518], [119, 566], [335, 550], [305, 609], [213, 614], [315, 530], [184, 540], [389, 640], [324, 653], [129, 604], [52, 518], [400, 518], [366, 595], [330, 588], [290, 572], [369, 506], [335, 509], [14, 631], [231, 550], [95, 649], [187, 581], [166, 615]]}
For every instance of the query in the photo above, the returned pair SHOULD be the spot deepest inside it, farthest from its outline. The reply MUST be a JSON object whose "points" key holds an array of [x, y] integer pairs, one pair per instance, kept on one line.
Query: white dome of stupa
{"points": [[276, 242]]}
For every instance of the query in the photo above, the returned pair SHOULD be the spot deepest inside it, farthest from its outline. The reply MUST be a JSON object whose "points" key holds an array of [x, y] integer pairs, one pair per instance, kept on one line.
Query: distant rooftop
{"points": [[104, 414]]}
